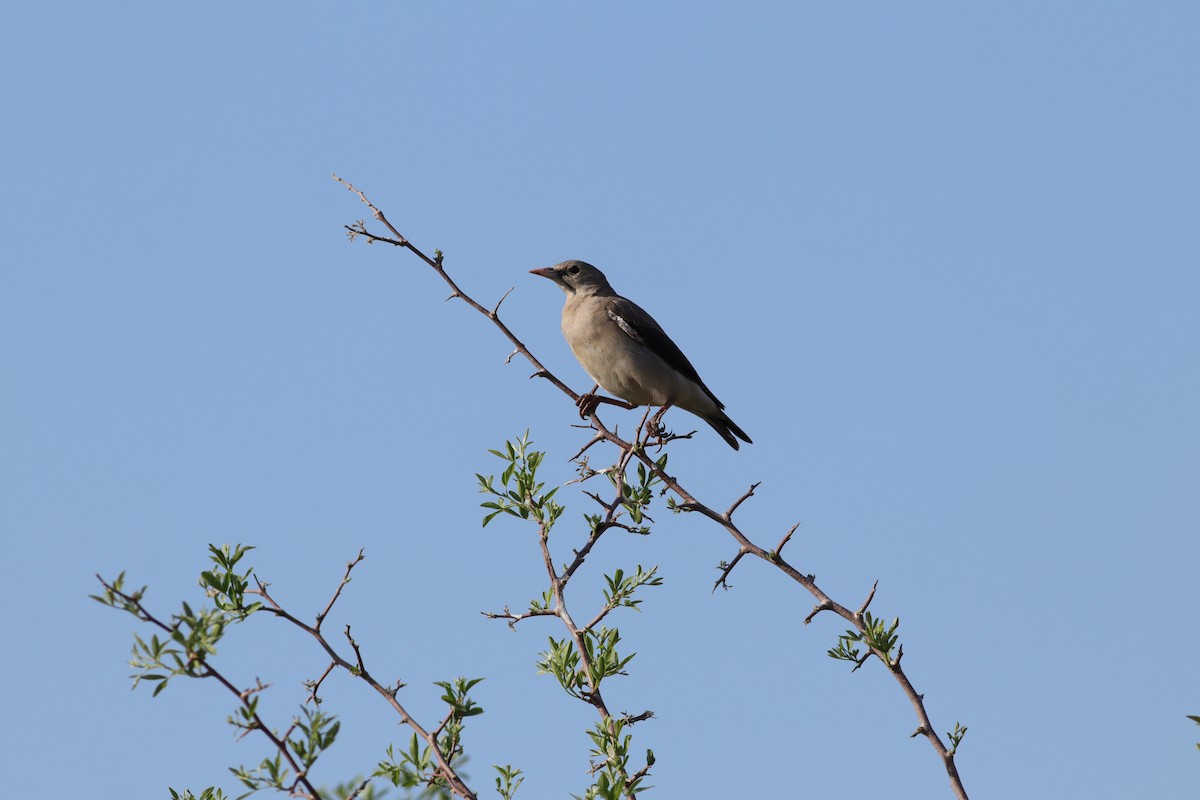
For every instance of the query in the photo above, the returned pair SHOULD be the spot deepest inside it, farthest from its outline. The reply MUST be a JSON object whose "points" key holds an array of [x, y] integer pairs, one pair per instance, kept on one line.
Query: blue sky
{"points": [[939, 260]]}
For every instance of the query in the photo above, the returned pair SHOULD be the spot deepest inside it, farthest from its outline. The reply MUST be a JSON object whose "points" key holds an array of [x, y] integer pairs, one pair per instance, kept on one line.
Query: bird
{"points": [[628, 354]]}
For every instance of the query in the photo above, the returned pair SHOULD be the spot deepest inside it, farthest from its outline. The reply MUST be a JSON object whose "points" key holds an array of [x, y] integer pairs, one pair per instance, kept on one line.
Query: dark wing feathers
{"points": [[641, 327]]}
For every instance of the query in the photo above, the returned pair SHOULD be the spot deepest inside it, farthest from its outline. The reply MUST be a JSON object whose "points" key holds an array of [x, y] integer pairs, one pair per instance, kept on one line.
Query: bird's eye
{"points": [[573, 270]]}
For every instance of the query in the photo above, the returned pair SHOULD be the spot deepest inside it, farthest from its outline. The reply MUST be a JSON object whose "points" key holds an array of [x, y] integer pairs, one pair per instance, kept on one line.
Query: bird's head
{"points": [[576, 277]]}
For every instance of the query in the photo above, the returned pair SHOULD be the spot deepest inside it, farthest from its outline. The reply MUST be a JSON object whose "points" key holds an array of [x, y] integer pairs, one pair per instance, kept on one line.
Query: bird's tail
{"points": [[723, 425]]}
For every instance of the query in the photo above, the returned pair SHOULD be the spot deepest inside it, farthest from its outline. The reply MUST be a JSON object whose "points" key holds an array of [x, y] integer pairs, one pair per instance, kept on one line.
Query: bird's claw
{"points": [[587, 404], [656, 432]]}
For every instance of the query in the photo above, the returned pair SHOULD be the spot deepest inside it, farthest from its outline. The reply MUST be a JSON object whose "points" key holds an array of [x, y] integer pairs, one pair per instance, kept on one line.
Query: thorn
{"points": [[501, 300], [867, 602], [786, 538]]}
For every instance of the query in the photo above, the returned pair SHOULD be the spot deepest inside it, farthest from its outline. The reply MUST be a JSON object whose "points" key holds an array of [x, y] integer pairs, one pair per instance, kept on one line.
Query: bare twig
{"points": [[749, 493], [436, 264], [594, 440], [817, 609], [862, 609], [361, 788], [513, 619], [312, 693], [496, 309], [786, 537], [726, 568], [345, 579]]}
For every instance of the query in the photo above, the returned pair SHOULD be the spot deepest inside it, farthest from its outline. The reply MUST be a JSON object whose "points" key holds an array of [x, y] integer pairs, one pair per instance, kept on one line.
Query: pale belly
{"points": [[637, 375]]}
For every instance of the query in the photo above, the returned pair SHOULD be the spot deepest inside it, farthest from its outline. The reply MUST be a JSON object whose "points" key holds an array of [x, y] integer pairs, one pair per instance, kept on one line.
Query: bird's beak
{"points": [[545, 272]]}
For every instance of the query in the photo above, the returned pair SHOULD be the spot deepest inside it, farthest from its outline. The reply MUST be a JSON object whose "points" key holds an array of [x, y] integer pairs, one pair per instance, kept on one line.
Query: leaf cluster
{"points": [[580, 674], [610, 754], [521, 493], [191, 635], [879, 637], [418, 766]]}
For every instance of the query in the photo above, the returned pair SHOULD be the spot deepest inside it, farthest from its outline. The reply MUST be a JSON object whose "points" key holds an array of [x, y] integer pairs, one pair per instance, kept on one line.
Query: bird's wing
{"points": [[641, 327]]}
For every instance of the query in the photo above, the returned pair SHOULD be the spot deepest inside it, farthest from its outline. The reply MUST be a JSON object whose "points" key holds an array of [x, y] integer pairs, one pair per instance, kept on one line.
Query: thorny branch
{"points": [[243, 696], [592, 695], [586, 679], [687, 501], [558, 584], [358, 668], [398, 240]]}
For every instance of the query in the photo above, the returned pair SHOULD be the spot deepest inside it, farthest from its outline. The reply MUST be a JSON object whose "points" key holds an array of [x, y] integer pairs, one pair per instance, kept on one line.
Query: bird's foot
{"points": [[655, 430], [587, 404]]}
